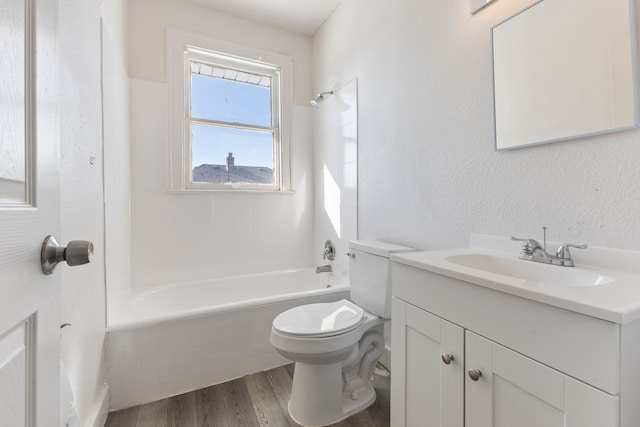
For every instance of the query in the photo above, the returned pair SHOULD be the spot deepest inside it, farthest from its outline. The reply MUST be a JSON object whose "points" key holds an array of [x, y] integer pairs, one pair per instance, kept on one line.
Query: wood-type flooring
{"points": [[257, 400]]}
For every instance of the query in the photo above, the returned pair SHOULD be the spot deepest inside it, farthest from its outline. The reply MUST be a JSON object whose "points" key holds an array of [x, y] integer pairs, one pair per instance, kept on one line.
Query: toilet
{"points": [[336, 345]]}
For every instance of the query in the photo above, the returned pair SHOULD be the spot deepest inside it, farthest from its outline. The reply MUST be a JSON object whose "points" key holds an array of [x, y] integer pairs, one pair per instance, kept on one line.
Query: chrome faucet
{"points": [[323, 269], [532, 250]]}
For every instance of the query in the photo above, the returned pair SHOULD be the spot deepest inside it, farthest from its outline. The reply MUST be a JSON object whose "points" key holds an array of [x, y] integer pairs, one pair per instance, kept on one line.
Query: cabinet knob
{"points": [[447, 358], [475, 374]]}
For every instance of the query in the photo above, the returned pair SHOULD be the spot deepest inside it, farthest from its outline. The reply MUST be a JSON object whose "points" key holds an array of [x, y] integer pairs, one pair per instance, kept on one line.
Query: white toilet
{"points": [[336, 345]]}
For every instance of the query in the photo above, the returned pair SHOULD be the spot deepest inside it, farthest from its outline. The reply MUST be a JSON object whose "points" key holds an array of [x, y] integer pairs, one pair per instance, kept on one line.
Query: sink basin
{"points": [[530, 271], [604, 284]]}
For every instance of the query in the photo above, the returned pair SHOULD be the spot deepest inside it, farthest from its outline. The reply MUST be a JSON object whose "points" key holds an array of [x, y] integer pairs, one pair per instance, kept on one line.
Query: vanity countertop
{"points": [[610, 289]]}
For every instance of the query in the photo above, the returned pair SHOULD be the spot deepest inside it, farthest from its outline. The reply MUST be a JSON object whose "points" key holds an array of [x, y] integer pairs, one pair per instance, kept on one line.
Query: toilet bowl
{"points": [[336, 345], [334, 362]]}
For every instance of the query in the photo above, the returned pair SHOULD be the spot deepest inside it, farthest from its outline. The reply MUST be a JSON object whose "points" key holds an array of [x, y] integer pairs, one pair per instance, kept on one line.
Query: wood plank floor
{"points": [[257, 400]]}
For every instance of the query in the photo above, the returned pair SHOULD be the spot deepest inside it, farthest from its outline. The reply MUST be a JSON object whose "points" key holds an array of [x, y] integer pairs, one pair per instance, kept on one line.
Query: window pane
{"points": [[12, 101], [222, 155], [231, 101]]}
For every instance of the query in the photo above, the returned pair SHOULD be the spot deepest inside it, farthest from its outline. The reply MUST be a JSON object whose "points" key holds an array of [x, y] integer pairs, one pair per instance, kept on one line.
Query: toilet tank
{"points": [[370, 275]]}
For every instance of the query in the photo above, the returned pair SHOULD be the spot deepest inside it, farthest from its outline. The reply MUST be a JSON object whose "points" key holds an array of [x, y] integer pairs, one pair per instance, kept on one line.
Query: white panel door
{"points": [[427, 365], [513, 390], [29, 211]]}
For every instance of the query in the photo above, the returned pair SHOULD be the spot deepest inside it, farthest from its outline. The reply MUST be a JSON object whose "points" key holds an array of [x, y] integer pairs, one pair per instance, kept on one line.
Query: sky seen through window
{"points": [[230, 101]]}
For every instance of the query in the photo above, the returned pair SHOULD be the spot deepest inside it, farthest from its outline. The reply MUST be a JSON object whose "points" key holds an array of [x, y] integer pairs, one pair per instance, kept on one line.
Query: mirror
{"points": [[564, 69], [477, 5]]}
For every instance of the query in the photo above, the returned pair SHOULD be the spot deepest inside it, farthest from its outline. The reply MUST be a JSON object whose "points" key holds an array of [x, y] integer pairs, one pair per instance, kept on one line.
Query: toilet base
{"points": [[314, 406], [324, 394]]}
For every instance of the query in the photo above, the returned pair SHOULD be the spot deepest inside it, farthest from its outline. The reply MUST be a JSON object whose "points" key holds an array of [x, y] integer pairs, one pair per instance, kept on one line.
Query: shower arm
{"points": [[319, 98]]}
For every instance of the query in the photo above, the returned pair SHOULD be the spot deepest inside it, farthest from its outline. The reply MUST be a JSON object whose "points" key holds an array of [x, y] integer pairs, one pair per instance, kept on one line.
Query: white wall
{"points": [[117, 149], [83, 287], [428, 173], [183, 237], [149, 20]]}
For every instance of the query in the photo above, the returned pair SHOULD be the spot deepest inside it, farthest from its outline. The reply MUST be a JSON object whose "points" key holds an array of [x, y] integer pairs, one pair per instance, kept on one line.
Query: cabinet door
{"points": [[425, 391], [513, 390]]}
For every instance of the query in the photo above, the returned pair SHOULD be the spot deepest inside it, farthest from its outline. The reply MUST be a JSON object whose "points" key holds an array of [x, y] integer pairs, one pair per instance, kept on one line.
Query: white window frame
{"points": [[183, 47]]}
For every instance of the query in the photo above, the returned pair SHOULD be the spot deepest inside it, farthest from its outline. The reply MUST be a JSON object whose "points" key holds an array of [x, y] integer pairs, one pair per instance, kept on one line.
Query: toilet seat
{"points": [[319, 320]]}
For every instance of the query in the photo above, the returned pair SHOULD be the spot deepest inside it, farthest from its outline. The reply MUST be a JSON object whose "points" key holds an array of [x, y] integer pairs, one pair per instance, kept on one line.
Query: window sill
{"points": [[223, 191]]}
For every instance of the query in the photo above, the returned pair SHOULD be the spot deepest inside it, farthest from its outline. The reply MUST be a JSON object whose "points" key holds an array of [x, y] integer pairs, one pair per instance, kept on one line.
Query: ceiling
{"points": [[300, 16]]}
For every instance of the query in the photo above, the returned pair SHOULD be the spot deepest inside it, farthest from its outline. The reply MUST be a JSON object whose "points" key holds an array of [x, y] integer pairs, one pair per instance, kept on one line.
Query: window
{"points": [[229, 127]]}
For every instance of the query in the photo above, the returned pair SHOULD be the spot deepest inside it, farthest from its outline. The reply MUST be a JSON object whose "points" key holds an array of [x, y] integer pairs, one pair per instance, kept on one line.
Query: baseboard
{"points": [[98, 417]]}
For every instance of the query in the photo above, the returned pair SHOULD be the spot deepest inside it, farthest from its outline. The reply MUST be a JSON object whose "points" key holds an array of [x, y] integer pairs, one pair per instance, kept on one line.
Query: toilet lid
{"points": [[319, 320]]}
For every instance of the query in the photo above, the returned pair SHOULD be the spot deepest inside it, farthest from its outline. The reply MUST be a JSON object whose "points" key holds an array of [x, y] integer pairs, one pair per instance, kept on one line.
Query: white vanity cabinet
{"points": [[514, 390], [539, 365], [427, 363]]}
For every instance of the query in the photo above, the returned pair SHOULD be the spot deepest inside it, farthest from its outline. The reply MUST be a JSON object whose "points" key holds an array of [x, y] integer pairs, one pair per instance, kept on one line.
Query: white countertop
{"points": [[617, 301]]}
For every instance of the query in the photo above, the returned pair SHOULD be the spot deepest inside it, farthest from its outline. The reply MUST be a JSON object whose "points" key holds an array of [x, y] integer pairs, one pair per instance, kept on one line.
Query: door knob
{"points": [[77, 252]]}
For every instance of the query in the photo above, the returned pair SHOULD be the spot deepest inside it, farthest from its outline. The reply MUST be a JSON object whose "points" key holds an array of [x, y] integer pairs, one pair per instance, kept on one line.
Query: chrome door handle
{"points": [[77, 252]]}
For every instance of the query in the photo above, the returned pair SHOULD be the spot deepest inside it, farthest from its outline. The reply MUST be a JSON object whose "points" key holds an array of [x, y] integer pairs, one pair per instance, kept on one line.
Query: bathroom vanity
{"points": [[481, 338]]}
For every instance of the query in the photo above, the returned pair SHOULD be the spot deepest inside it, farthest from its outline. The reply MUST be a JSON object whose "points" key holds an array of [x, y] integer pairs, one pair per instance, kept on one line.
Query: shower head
{"points": [[315, 103]]}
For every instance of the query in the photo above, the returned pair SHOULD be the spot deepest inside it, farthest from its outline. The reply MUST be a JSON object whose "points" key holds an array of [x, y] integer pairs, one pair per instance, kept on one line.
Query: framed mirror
{"points": [[565, 69]]}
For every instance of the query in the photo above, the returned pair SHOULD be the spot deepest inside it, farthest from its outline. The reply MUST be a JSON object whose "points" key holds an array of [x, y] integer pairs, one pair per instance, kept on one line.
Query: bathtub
{"points": [[172, 339]]}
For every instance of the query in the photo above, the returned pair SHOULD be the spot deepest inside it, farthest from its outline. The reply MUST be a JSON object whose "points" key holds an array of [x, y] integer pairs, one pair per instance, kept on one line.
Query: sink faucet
{"points": [[532, 250], [323, 269]]}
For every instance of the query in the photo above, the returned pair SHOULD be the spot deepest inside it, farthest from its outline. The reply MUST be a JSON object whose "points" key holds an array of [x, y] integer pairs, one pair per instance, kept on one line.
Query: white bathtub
{"points": [[172, 339]]}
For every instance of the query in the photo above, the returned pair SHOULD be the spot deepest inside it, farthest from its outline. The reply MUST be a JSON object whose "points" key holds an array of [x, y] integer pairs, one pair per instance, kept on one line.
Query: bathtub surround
{"points": [[178, 238], [335, 159], [209, 235]]}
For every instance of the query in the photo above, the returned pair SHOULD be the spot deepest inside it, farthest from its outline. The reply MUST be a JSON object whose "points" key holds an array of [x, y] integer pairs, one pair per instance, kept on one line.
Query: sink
{"points": [[604, 284], [529, 271]]}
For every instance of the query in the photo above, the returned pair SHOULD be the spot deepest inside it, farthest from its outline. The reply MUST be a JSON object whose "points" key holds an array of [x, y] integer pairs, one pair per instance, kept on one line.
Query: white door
{"points": [[509, 389], [29, 211], [427, 366]]}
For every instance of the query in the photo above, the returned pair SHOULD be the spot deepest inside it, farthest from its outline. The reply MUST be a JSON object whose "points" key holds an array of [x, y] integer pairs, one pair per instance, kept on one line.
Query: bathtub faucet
{"points": [[323, 269]]}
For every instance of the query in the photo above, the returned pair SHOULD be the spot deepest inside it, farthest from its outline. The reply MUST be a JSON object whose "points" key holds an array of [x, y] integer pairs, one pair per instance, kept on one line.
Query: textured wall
{"points": [[428, 172]]}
